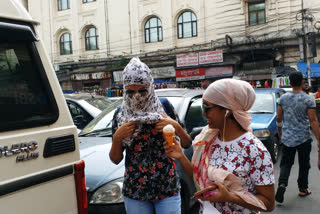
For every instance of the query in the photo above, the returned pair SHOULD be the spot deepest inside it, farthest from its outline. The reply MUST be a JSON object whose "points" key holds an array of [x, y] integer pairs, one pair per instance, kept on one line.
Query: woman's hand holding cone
{"points": [[173, 151]]}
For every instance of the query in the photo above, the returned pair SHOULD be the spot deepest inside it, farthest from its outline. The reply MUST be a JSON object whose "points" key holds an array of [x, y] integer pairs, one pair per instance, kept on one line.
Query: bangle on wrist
{"points": [[279, 124]]}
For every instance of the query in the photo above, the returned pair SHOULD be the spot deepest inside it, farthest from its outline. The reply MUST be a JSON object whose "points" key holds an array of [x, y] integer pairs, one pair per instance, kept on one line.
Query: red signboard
{"points": [[210, 57], [187, 60], [190, 74]]}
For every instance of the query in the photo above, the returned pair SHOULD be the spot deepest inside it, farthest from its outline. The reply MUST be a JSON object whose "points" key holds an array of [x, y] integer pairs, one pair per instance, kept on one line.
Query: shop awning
{"points": [[257, 77], [255, 74], [314, 68]]}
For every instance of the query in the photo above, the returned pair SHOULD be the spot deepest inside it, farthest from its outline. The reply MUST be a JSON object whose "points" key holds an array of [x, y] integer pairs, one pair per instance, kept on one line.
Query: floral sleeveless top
{"points": [[150, 174]]}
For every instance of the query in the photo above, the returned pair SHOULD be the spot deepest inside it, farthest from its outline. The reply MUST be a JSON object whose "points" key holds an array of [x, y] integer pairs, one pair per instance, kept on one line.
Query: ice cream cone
{"points": [[168, 136]]}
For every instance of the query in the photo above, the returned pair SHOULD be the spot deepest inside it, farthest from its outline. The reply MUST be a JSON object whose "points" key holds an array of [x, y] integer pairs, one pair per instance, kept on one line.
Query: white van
{"points": [[40, 167]]}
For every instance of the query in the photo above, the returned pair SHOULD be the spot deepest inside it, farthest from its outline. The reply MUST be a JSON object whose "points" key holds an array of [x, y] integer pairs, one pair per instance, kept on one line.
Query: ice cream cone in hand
{"points": [[168, 134]]}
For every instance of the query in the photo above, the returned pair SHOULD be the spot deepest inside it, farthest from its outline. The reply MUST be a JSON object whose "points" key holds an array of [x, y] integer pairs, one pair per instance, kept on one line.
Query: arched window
{"points": [[153, 30], [65, 44], [187, 25], [91, 39], [63, 4]]}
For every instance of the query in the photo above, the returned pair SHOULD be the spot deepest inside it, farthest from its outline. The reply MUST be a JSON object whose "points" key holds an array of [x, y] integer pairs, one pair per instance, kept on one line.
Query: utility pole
{"points": [[305, 44]]}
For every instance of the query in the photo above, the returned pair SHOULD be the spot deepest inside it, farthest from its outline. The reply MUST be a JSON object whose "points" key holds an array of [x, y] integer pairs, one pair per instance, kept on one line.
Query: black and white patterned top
{"points": [[143, 109]]}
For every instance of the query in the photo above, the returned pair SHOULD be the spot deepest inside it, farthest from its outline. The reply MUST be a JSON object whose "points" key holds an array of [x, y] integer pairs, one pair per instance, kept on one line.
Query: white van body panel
{"points": [[56, 197], [15, 170], [13, 9], [50, 195]]}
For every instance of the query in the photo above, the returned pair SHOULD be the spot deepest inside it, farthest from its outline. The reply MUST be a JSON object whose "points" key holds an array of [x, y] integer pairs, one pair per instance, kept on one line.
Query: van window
{"points": [[26, 99]]}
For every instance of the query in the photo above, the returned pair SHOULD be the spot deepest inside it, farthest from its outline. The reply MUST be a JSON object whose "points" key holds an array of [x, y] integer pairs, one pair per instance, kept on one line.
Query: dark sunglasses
{"points": [[142, 92], [205, 108]]}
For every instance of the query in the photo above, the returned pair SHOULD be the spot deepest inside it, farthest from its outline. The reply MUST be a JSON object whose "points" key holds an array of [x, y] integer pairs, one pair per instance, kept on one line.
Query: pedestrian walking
{"points": [[306, 88], [318, 94], [296, 113], [227, 148], [150, 180]]}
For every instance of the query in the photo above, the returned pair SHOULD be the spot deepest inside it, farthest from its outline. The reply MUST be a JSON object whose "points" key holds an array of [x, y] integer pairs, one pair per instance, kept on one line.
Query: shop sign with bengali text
{"points": [[91, 76], [163, 72], [190, 74], [100, 75], [117, 76], [187, 60], [219, 71], [210, 57], [80, 76]]}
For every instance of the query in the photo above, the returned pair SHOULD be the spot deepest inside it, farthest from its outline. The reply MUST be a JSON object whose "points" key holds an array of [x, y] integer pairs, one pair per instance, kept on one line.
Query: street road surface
{"points": [[294, 204]]}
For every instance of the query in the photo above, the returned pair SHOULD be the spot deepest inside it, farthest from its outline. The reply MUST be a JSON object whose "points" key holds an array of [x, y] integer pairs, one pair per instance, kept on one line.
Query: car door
{"points": [[79, 116]]}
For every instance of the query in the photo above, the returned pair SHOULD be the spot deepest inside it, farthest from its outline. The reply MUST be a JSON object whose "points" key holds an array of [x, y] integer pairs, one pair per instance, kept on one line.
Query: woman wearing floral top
{"points": [[227, 146], [150, 179]]}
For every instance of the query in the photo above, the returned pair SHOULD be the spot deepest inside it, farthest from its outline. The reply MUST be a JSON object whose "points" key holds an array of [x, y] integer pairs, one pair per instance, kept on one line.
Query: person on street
{"points": [[306, 88], [228, 144], [296, 113], [318, 94], [150, 180]]}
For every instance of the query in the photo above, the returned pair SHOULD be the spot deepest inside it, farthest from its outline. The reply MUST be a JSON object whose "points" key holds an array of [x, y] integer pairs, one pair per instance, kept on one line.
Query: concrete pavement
{"points": [[294, 204]]}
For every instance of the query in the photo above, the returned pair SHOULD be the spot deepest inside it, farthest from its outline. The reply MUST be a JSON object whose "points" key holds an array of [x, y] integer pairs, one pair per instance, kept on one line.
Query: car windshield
{"points": [[176, 102], [103, 121], [264, 104], [100, 103]]}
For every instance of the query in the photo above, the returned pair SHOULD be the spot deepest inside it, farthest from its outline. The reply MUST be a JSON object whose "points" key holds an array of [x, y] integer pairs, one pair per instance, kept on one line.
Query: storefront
{"points": [[190, 78], [116, 89], [208, 67], [91, 81], [164, 77], [67, 87], [257, 78], [215, 73]]}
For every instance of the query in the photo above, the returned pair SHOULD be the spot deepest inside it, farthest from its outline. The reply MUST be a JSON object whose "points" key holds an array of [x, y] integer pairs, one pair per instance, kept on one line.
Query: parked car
{"points": [[187, 103], [84, 107], [264, 113], [287, 89], [113, 99], [104, 179]]}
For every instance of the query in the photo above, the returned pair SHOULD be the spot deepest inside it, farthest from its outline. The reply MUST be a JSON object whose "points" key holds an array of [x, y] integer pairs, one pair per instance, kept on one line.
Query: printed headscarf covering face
{"points": [[236, 95], [142, 108]]}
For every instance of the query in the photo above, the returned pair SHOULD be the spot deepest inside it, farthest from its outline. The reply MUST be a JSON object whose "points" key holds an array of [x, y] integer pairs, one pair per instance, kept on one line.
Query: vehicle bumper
{"points": [[106, 208]]}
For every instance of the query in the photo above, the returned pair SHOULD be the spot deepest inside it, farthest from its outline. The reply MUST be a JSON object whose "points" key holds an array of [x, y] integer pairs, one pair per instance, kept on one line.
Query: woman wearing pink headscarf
{"points": [[231, 168]]}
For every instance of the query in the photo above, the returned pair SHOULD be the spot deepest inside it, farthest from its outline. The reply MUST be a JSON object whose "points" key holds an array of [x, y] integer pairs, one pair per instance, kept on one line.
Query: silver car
{"points": [[84, 107]]}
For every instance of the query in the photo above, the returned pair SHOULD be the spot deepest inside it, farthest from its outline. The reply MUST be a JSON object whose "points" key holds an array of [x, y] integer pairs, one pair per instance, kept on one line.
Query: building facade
{"points": [[189, 43]]}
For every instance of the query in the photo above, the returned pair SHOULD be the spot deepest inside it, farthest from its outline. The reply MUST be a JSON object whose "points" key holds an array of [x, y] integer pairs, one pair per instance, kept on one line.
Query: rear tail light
{"points": [[81, 188]]}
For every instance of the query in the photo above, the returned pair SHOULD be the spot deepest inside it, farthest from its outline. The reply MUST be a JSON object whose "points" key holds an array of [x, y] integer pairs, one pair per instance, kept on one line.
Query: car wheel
{"points": [[275, 149], [185, 199]]}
